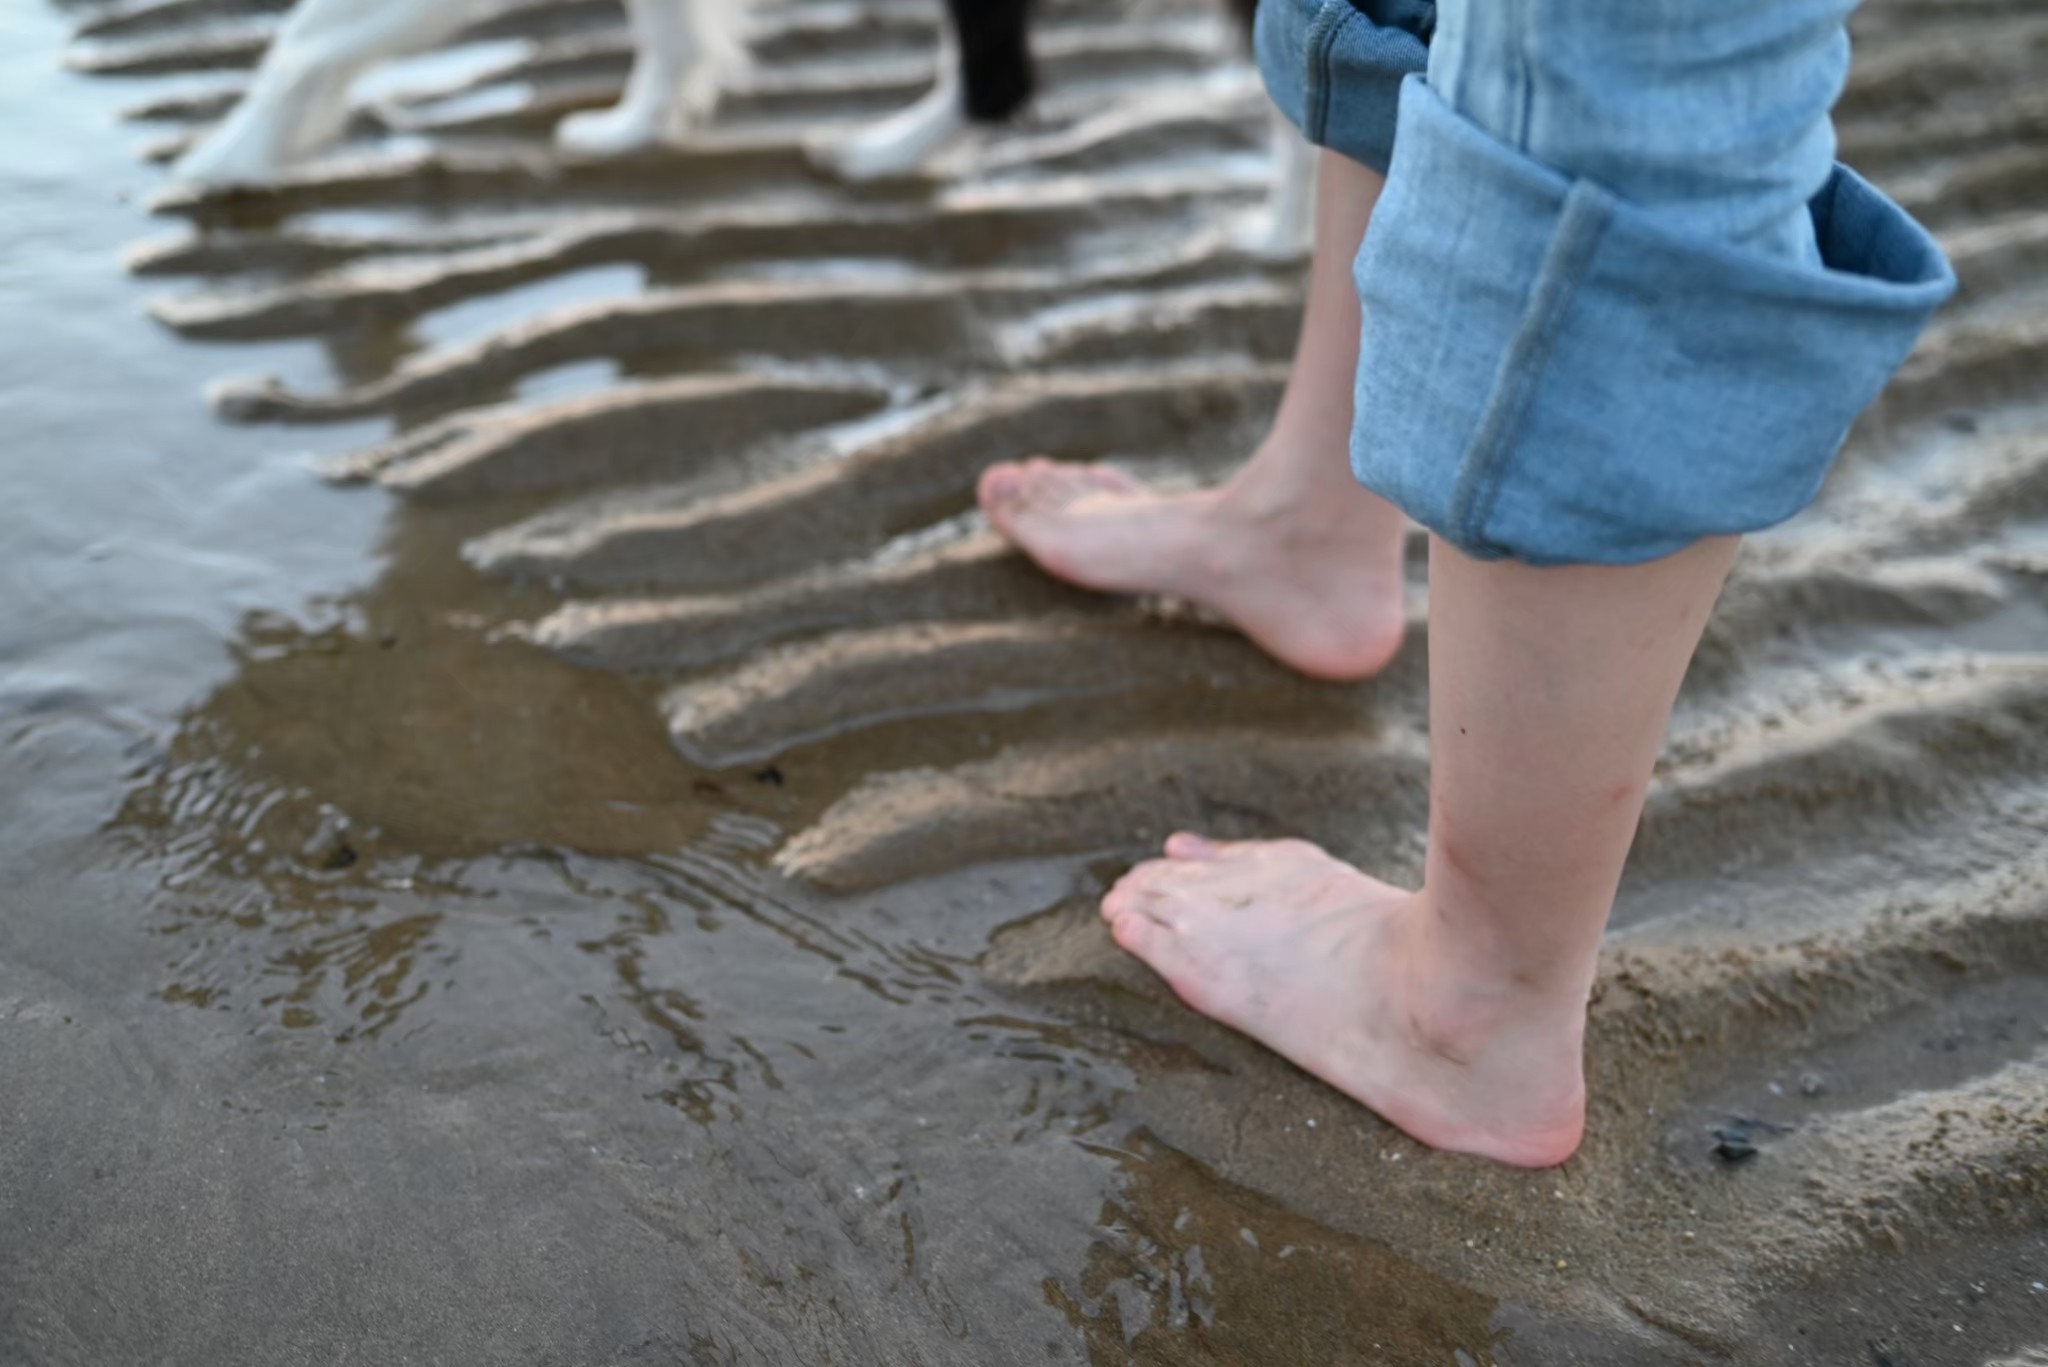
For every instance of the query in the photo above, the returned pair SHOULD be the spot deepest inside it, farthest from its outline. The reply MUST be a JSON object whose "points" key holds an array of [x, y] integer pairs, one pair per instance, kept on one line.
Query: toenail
{"points": [[1002, 485]]}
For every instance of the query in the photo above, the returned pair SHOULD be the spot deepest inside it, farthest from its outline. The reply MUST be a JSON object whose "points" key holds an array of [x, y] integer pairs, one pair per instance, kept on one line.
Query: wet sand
{"points": [[608, 876]]}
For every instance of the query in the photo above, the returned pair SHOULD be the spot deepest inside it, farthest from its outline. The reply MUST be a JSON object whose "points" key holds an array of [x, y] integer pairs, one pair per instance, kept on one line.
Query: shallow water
{"points": [[380, 985], [379, 990]]}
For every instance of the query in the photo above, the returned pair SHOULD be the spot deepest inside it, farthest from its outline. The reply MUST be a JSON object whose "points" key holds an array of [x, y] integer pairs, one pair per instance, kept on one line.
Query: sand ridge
{"points": [[761, 509]]}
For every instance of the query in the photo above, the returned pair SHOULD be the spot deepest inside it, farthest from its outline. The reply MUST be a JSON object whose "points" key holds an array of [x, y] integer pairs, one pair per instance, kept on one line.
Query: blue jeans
{"points": [[1618, 295]]}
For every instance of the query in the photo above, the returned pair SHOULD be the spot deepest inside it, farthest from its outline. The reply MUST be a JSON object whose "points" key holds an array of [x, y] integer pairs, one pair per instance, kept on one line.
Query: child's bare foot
{"points": [[1352, 979], [1317, 583]]}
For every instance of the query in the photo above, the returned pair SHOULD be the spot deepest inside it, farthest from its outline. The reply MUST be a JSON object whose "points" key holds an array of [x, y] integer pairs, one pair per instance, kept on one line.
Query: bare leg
{"points": [[1457, 1012], [1291, 550]]}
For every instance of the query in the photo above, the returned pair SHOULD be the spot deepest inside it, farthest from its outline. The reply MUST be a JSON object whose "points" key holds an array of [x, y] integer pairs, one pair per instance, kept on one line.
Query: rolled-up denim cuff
{"points": [[1553, 374], [1334, 67]]}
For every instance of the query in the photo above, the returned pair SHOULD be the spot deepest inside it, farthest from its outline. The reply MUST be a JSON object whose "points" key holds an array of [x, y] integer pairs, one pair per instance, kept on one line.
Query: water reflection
{"points": [[1191, 1269], [314, 819]]}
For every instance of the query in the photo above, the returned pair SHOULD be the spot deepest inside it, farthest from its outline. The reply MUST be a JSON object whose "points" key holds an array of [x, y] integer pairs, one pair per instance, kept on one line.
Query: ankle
{"points": [[1265, 492], [1468, 991], [1277, 499]]}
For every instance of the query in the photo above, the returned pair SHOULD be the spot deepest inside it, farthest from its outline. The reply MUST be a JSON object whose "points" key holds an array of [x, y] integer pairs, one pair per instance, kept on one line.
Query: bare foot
{"points": [[1348, 977], [1318, 585]]}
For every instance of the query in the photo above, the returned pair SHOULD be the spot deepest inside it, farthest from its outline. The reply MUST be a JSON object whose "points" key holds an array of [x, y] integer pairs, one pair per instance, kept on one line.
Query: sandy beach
{"points": [[537, 825]]}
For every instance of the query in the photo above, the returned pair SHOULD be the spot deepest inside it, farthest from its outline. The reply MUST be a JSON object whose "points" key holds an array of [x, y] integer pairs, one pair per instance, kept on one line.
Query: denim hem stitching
{"points": [[1322, 79], [1580, 228]]}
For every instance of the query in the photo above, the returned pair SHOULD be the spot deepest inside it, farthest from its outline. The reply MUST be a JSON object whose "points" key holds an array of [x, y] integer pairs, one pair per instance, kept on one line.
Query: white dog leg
{"points": [[686, 54], [900, 143], [297, 103], [1283, 229]]}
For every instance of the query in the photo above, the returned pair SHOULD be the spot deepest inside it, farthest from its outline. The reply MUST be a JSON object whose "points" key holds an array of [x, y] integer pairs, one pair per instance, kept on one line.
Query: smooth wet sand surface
{"points": [[606, 876]]}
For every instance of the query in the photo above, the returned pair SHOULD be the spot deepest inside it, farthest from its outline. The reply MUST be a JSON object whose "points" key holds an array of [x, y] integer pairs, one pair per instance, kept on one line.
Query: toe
{"points": [[1060, 482], [1188, 845], [1109, 479], [1030, 477], [1145, 890], [1139, 934], [1147, 877], [1002, 488], [1164, 951], [1121, 900]]}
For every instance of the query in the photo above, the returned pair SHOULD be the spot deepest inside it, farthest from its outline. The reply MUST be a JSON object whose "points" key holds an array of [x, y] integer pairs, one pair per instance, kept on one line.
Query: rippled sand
{"points": [[780, 907]]}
